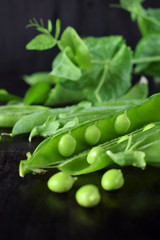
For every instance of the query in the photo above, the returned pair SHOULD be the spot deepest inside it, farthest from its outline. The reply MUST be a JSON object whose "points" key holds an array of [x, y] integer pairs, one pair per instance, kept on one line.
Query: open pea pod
{"points": [[48, 154], [145, 149]]}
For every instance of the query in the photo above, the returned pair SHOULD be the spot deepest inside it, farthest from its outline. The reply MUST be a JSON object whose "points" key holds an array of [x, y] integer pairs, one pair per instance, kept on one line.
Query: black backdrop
{"points": [[88, 17], [27, 209]]}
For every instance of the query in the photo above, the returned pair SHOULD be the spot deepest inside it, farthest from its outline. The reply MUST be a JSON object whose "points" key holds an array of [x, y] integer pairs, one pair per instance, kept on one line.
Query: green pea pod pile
{"points": [[47, 154]]}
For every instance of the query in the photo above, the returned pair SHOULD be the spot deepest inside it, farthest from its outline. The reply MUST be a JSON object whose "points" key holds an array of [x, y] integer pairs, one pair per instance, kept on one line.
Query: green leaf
{"points": [[134, 158], [39, 77], [71, 123], [37, 93], [127, 4], [148, 19], [50, 27], [138, 91], [63, 67], [147, 55], [62, 96], [150, 23], [48, 128], [110, 76], [58, 28], [70, 38], [42, 30], [41, 42]]}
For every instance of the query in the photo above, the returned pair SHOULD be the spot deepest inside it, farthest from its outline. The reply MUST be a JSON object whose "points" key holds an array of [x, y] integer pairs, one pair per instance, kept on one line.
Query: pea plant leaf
{"points": [[50, 27], [138, 91], [48, 128], [41, 42], [134, 158], [129, 3], [58, 28], [71, 123], [60, 96], [63, 67], [81, 54], [148, 19], [134, 7], [110, 76], [44, 40], [147, 55], [39, 77], [150, 23]]}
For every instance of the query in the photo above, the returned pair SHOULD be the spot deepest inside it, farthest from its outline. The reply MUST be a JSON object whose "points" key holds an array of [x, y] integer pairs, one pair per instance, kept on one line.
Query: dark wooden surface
{"points": [[28, 210]]}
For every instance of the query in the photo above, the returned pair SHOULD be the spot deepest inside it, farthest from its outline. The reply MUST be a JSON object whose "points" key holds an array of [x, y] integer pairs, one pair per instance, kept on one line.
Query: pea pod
{"points": [[82, 111], [37, 93], [9, 115], [47, 154]]}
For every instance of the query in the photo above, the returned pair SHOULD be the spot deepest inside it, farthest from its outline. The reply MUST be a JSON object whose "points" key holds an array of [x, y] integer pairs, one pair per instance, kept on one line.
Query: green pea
{"points": [[149, 126], [88, 196], [92, 135], [93, 154], [60, 182], [112, 179], [66, 145], [122, 124]]}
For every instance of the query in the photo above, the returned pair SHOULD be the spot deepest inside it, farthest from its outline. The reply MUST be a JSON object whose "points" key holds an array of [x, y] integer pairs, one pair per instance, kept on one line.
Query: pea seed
{"points": [[122, 124], [60, 182], [112, 179], [149, 126], [88, 196], [93, 154], [92, 135], [67, 145]]}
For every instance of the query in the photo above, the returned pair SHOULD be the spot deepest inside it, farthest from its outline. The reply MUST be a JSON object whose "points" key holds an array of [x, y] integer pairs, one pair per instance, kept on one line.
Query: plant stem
{"points": [[100, 84], [146, 59]]}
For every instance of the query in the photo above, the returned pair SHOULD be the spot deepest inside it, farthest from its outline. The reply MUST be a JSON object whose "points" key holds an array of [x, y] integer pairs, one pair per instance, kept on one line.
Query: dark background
{"points": [[88, 17], [28, 210]]}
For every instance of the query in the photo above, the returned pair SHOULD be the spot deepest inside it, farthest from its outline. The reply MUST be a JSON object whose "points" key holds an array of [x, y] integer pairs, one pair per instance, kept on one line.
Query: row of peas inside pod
{"points": [[92, 134]]}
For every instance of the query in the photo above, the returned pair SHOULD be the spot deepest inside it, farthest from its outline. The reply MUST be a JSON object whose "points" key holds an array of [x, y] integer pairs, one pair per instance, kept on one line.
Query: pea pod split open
{"points": [[47, 154], [144, 149]]}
